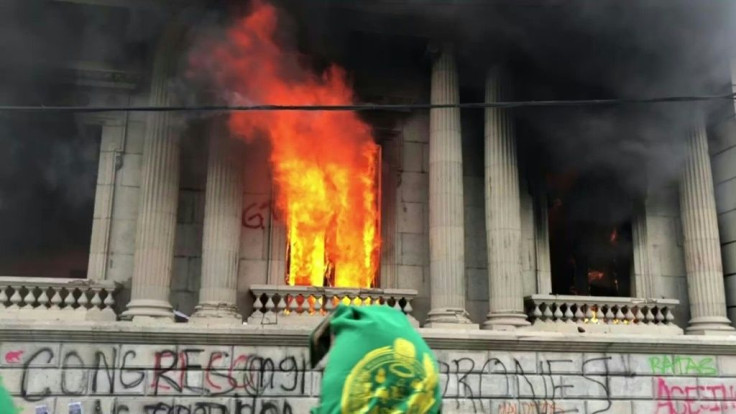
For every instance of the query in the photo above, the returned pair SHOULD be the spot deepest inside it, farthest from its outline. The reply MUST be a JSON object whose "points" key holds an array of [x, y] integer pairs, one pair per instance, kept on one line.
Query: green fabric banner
{"points": [[378, 363]]}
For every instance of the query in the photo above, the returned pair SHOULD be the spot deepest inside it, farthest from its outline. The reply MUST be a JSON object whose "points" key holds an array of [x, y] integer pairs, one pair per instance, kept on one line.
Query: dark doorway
{"points": [[590, 235]]}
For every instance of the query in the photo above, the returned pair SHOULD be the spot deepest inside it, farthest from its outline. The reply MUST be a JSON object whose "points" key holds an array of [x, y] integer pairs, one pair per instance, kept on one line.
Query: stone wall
{"points": [[136, 379], [723, 156]]}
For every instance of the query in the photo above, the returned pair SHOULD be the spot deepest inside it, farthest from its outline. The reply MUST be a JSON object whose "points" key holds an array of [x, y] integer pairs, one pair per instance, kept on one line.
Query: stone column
{"points": [[221, 237], [503, 221], [541, 238], [446, 221], [156, 226], [702, 247], [644, 277]]}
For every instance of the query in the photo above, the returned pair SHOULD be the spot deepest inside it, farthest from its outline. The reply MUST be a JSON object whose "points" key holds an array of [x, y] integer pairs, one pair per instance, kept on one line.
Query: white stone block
{"points": [[728, 252], [316, 383], [413, 155], [411, 218], [112, 138], [136, 134], [175, 382], [559, 362], [463, 406], [716, 389], [125, 205], [588, 387], [544, 387], [630, 387], [20, 354], [94, 356], [459, 361], [605, 364], [203, 405], [724, 165], [120, 267], [722, 136], [609, 406], [726, 196], [12, 379], [103, 201], [105, 168], [130, 173], [727, 365], [30, 407], [252, 243], [122, 236], [416, 128], [414, 249], [414, 187], [251, 272], [411, 277], [144, 405], [727, 226], [146, 356]]}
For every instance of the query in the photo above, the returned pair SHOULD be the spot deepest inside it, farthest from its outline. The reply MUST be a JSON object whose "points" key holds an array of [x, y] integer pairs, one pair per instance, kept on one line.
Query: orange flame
{"points": [[323, 162]]}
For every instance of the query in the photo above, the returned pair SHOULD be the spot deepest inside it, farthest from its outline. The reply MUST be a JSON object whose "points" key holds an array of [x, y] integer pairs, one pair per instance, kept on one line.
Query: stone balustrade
{"points": [[561, 313], [307, 305], [26, 298]]}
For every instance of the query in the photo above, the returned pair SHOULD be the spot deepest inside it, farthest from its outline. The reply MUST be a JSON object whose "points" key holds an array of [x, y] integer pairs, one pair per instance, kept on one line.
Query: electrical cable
{"points": [[369, 107]]}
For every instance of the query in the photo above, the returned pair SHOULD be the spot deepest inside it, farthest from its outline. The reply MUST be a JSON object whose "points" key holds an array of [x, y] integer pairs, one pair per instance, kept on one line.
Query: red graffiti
{"points": [[253, 215], [695, 399], [13, 357]]}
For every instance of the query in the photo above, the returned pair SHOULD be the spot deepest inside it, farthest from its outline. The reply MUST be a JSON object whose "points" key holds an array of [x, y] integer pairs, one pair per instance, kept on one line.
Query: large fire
{"points": [[324, 162]]}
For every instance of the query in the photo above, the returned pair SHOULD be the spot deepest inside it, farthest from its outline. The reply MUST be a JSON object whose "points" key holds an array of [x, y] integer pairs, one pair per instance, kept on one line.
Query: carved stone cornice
{"points": [[453, 339]]}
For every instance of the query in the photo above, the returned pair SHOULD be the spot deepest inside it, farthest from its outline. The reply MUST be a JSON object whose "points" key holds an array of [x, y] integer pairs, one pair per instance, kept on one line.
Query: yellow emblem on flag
{"points": [[391, 379]]}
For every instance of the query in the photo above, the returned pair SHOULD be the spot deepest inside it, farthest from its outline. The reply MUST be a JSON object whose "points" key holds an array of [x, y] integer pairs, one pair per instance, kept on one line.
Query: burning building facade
{"points": [[558, 259]]}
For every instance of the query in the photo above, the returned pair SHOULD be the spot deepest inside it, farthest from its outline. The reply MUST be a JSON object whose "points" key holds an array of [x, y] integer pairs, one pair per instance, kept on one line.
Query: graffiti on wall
{"points": [[241, 380]]}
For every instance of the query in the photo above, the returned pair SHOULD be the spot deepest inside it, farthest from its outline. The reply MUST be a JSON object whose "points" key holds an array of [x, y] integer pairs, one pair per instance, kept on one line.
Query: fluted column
{"points": [[705, 285], [221, 239], [156, 226], [503, 222], [446, 229]]}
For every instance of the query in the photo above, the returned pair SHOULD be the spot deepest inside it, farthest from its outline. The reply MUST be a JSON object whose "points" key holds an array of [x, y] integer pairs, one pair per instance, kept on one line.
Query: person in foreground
{"points": [[377, 363]]}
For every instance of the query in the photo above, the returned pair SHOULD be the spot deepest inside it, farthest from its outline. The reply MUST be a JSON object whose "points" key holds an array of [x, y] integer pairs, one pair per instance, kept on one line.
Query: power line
{"points": [[370, 107]]}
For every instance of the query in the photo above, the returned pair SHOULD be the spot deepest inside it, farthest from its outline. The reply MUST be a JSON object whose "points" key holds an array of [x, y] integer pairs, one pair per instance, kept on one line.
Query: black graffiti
{"points": [[195, 408], [24, 378], [262, 406], [110, 372], [543, 387]]}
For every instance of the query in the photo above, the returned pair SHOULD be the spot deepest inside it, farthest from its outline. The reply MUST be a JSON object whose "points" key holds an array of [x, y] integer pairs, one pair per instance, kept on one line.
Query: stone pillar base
{"points": [[216, 314], [148, 310], [713, 325], [505, 321], [449, 318]]}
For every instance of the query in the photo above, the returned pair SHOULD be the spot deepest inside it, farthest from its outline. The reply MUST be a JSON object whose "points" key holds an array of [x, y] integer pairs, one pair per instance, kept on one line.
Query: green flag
{"points": [[378, 363], [6, 401]]}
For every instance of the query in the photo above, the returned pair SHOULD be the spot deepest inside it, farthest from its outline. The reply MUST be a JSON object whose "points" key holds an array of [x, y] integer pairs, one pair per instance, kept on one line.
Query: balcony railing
{"points": [[36, 298], [307, 305], [602, 314]]}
